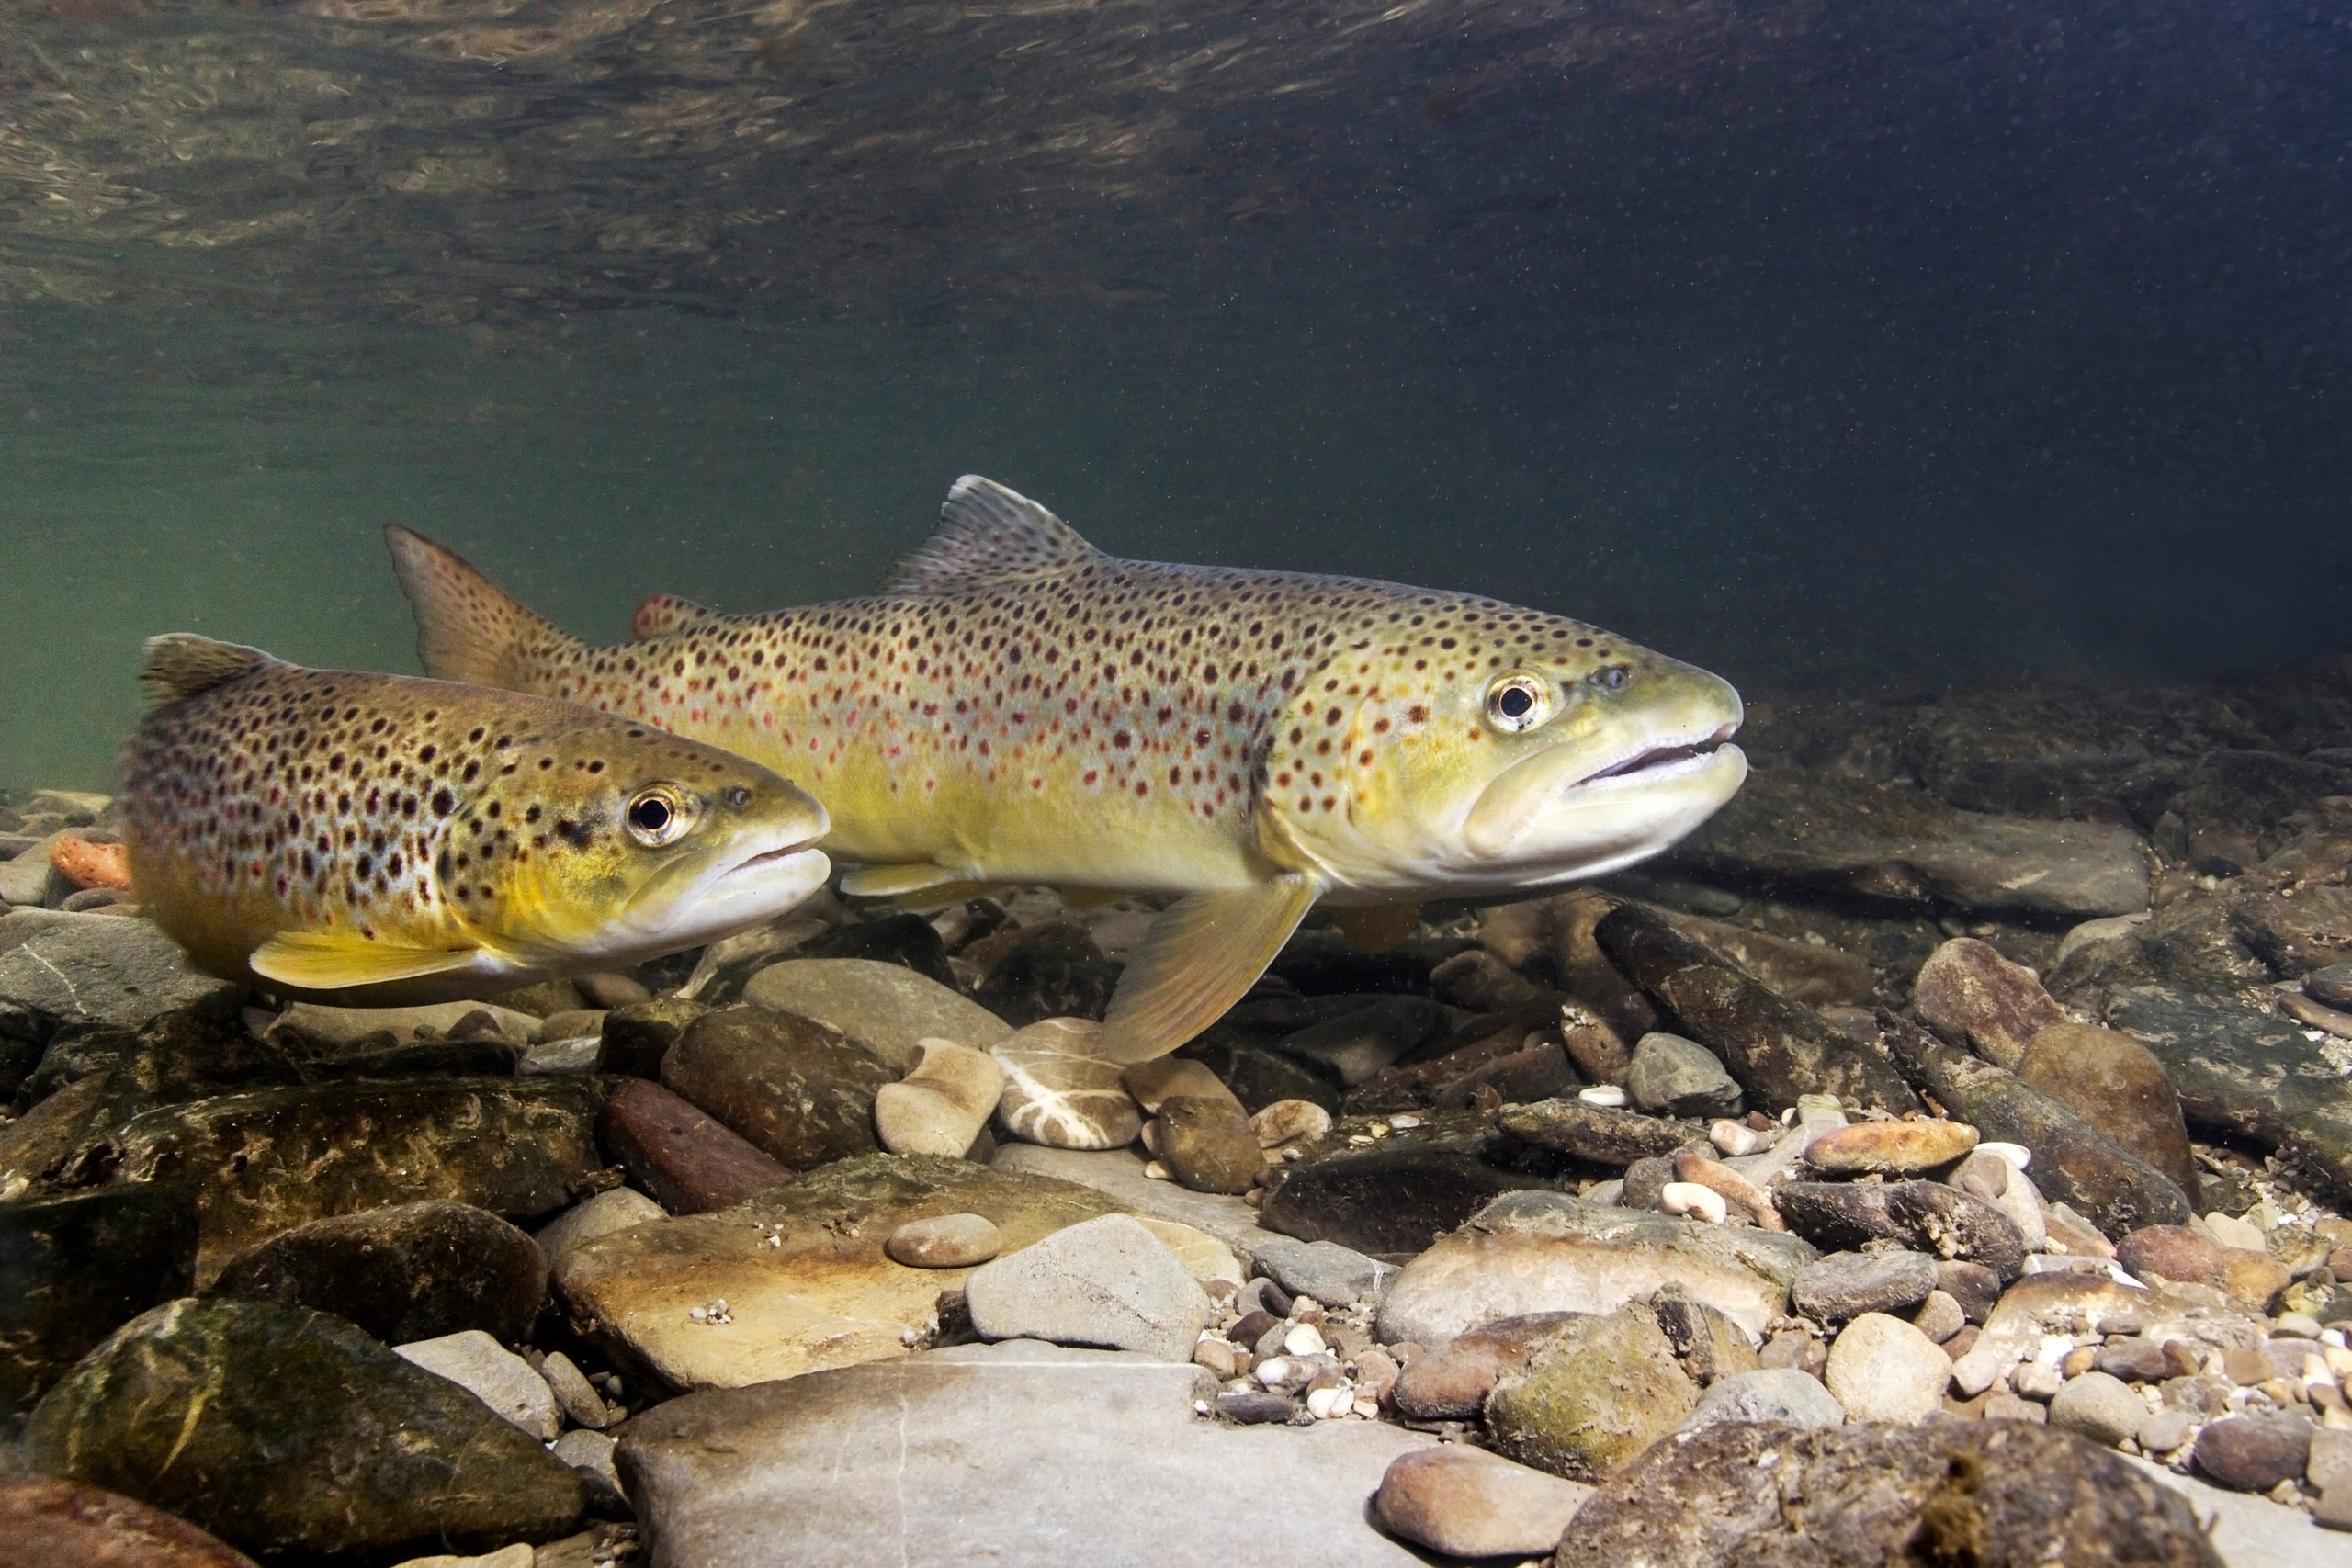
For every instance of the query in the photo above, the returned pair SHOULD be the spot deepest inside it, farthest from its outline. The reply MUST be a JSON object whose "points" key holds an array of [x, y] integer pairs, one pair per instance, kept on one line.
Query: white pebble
{"points": [[1402, 1123], [1738, 1139], [1303, 1340], [1330, 1404], [1690, 1198], [1271, 1371], [1155, 1171], [2017, 1155], [1607, 1094]]}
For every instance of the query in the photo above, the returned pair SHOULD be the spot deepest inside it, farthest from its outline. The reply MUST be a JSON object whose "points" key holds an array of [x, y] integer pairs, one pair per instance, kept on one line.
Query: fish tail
{"points": [[467, 628]]}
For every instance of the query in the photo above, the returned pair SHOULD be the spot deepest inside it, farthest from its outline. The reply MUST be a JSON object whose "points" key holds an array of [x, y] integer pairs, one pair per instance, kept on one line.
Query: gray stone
{"points": [[614, 1210], [1847, 1284], [1330, 1273], [103, 969], [965, 1455], [312, 1024], [884, 1007], [2331, 986], [578, 1053], [1358, 1044], [590, 1455], [2100, 1407], [1973, 998], [493, 1374], [268, 1426], [1106, 1281], [1769, 1394], [2254, 1454], [581, 1401], [1118, 1175], [1674, 1077], [1882, 1369], [2252, 1531]]}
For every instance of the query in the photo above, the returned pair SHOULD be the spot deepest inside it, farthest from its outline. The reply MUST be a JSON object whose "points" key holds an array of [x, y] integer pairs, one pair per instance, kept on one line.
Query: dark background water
{"points": [[1825, 345]]}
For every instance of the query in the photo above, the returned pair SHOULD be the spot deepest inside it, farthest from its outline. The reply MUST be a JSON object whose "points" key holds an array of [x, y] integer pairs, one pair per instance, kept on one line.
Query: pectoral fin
{"points": [[1197, 960], [1379, 927], [330, 961], [897, 881]]}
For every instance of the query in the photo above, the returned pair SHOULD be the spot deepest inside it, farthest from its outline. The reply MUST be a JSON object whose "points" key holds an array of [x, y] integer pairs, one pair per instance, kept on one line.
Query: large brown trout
{"points": [[382, 839], [1013, 706]]}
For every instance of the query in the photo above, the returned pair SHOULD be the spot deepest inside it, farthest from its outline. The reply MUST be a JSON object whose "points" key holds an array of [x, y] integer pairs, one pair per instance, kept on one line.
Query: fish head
{"points": [[621, 844], [1506, 750]]}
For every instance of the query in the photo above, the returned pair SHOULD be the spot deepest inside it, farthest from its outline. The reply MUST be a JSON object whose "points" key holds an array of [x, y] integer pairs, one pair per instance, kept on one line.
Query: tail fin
{"points": [[181, 664], [466, 628]]}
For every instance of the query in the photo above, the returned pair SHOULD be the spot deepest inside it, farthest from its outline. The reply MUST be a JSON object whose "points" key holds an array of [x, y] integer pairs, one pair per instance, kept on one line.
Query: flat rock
{"points": [[1785, 1395], [1469, 1503], [942, 1104], [1107, 1282], [312, 1024], [1385, 1202], [1598, 1393], [64, 1524], [1451, 1381], [1330, 1273], [1600, 1133], [797, 1091], [2117, 1085], [1975, 999], [76, 1268], [1673, 1077], [502, 1380], [824, 1294], [268, 1160], [1118, 1176], [1847, 1284], [102, 969], [1893, 1149], [958, 1456], [265, 1425], [885, 1008], [1767, 1495], [405, 1271], [1533, 1252], [2253, 1532], [945, 1241], [1059, 1091], [688, 1160]]}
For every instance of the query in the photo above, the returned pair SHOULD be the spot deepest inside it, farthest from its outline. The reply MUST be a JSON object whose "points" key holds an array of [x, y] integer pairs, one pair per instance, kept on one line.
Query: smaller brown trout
{"points": [[384, 839]]}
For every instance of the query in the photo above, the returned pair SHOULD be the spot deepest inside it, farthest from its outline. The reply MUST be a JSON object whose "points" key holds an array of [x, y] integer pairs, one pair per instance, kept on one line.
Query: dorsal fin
{"points": [[181, 665], [662, 614], [985, 532]]}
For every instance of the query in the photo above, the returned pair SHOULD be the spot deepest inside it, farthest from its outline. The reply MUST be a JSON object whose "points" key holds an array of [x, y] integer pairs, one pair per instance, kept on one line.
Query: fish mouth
{"points": [[1658, 761], [770, 857]]}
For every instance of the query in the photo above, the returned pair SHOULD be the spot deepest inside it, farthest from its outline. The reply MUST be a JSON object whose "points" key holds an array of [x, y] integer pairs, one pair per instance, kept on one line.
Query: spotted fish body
{"points": [[1013, 706], [386, 838]]}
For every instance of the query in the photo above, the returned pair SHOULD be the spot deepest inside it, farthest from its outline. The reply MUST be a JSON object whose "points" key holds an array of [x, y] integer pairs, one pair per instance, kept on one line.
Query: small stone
{"points": [[2100, 1407], [941, 1103], [1891, 1147], [688, 1161], [2116, 1084], [1469, 1503], [1302, 1339], [1847, 1284], [609, 991], [1059, 1091], [1737, 1138], [1608, 1096], [2296, 1325], [2038, 1381], [2330, 1463], [2331, 986], [614, 1210], [2161, 1431], [1974, 998], [590, 1455], [1882, 1369], [1940, 1317], [493, 1374], [2233, 1232], [1221, 1360], [1769, 1394], [1255, 1407], [2254, 1454], [2171, 1252], [945, 1241], [1323, 1270], [1207, 1143], [1205, 1257], [574, 1054], [637, 1036], [1104, 1281], [1357, 1044], [574, 1391], [2135, 1360], [1691, 1199], [2003, 1406], [1289, 1120], [1671, 1076]]}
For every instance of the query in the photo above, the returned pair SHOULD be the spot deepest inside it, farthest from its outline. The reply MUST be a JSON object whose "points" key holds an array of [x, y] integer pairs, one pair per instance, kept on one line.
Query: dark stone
{"points": [[2236, 804], [2292, 923], [1594, 1394], [682, 1160], [1321, 963], [1259, 1076], [1955, 1224], [796, 1089], [476, 1056], [272, 1427], [2135, 1360], [1976, 1288], [1478, 981], [2245, 1073], [1439, 1064], [2116, 1084], [2254, 1453], [1775, 1049], [1598, 1133], [1385, 1202], [1534, 1072], [266, 1160], [24, 1036], [1252, 1327], [64, 1524], [2331, 986], [1359, 1044], [1766, 1495], [124, 971], [1839, 1215], [1974, 998], [1807, 974], [909, 940], [1645, 1182], [1049, 971], [1669, 1076], [1256, 1408], [78, 1267], [65, 1142], [1706, 1342], [1209, 1145], [2072, 1164], [409, 1271], [1843, 1285], [636, 1037], [169, 1059]]}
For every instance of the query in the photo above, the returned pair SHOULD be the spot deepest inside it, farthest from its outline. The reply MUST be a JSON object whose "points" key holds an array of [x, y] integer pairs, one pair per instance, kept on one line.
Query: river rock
{"points": [[1808, 975], [77, 1268], [103, 969], [1775, 1049], [64, 1524], [265, 1425], [1673, 1077], [614, 1210], [1926, 1215], [2116, 1084], [886, 1009], [1356, 1045], [1385, 1202], [402, 1273], [1763, 1495], [690, 1162], [1600, 1133], [2098, 1406], [941, 1105], [310, 1028], [945, 1241], [2254, 1454], [798, 1091], [1058, 1091], [1054, 970], [493, 1374], [1289, 1120], [1977, 999], [1536, 1251], [1207, 1143], [2331, 986], [1151, 1083], [637, 1036], [905, 939], [1847, 1284], [1105, 1281], [1451, 1382], [825, 1293], [1767, 1393], [1882, 1369], [1602, 1389], [1893, 1148], [2172, 1252], [1330, 1273], [1469, 1503]]}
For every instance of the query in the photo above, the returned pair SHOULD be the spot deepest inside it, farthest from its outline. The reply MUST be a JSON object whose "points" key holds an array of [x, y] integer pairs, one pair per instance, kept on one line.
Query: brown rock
{"points": [[2171, 1252], [1809, 975], [1890, 1148], [2116, 1084], [2252, 1279], [1451, 1383], [2254, 1454], [68, 1523], [1975, 999], [1152, 1082], [800, 1092], [685, 1161], [1469, 1503], [1208, 1143], [945, 1241], [1597, 1133]]}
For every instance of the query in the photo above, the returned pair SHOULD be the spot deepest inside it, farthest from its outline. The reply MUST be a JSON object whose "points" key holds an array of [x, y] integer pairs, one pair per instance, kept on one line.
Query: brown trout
{"points": [[383, 839], [1013, 706]]}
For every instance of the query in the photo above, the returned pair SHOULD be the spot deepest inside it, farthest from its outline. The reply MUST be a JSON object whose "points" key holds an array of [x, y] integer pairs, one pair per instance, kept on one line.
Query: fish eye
{"points": [[1611, 677], [658, 815], [1518, 701]]}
